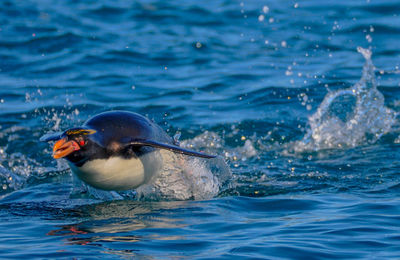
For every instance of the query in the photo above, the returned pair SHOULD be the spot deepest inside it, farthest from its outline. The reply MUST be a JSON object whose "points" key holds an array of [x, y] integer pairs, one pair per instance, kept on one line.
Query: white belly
{"points": [[117, 173]]}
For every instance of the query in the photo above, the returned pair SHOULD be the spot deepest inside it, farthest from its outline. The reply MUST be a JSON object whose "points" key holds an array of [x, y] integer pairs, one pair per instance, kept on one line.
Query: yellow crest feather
{"points": [[80, 131]]}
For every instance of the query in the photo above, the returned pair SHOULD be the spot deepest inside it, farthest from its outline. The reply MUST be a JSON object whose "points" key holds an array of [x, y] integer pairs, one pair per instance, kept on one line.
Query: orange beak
{"points": [[63, 148]]}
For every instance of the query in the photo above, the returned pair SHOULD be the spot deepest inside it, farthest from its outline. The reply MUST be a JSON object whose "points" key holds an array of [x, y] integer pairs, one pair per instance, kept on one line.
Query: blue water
{"points": [[305, 120]]}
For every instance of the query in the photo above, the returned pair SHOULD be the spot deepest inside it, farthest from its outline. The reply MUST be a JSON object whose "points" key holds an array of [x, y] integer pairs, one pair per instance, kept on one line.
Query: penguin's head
{"points": [[75, 144], [113, 134]]}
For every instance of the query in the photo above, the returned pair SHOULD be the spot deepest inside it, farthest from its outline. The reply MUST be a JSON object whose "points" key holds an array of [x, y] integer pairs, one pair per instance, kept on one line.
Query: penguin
{"points": [[115, 150]]}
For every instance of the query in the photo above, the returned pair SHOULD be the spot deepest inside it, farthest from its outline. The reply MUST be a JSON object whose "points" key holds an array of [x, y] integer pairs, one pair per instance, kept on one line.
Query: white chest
{"points": [[115, 173]]}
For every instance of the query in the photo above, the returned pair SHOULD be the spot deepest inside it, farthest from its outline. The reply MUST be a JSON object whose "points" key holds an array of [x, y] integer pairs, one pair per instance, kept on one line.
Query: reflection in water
{"points": [[122, 218], [67, 230]]}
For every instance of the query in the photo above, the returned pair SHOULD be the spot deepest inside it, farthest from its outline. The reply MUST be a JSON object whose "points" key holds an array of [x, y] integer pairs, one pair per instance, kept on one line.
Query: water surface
{"points": [[306, 121]]}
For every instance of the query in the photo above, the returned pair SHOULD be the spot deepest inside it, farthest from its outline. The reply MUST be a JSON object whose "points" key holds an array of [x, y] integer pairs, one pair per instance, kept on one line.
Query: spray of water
{"points": [[184, 177], [349, 117]]}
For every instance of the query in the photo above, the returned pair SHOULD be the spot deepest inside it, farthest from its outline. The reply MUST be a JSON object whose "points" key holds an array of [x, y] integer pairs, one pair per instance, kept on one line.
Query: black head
{"points": [[74, 144]]}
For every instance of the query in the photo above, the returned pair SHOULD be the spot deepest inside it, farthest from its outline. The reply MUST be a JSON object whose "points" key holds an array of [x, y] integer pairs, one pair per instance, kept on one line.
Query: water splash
{"points": [[349, 117], [183, 177], [213, 143], [9, 181]]}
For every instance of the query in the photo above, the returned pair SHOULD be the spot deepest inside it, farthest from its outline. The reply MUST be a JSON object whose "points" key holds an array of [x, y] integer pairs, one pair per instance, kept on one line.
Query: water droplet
{"points": [[368, 38], [265, 9]]}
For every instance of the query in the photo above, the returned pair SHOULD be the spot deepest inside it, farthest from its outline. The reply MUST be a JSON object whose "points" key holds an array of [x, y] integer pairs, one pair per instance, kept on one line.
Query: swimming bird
{"points": [[116, 150]]}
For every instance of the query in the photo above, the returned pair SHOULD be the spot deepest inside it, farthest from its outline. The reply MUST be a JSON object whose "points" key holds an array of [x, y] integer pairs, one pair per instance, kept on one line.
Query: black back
{"points": [[116, 127]]}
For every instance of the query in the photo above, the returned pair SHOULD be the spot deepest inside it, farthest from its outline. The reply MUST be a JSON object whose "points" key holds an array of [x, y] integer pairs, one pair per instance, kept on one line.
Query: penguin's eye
{"points": [[80, 141]]}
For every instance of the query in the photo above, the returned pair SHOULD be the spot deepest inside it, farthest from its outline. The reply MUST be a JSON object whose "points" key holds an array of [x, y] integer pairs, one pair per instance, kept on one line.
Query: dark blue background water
{"points": [[241, 77]]}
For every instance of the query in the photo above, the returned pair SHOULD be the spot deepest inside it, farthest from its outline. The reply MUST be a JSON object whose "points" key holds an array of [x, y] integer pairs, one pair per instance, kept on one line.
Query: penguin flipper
{"points": [[169, 147]]}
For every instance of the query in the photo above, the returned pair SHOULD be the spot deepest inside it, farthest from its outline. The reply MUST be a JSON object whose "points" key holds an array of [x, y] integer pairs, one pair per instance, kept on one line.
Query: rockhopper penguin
{"points": [[115, 150]]}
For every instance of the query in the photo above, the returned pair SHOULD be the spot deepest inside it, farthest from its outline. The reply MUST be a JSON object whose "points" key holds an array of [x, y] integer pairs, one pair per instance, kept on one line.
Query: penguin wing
{"points": [[169, 147]]}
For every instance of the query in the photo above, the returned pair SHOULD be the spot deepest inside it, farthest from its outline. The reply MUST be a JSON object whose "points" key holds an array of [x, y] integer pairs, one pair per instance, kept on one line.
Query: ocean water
{"points": [[300, 100]]}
